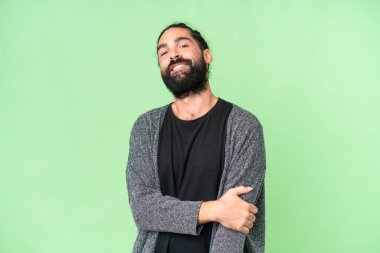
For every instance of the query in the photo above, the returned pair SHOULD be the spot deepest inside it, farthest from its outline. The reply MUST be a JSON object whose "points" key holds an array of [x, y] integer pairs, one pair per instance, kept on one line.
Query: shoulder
{"points": [[243, 119], [151, 119]]}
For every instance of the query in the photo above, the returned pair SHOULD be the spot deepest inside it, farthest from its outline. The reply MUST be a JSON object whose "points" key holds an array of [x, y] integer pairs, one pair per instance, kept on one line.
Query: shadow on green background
{"points": [[74, 75]]}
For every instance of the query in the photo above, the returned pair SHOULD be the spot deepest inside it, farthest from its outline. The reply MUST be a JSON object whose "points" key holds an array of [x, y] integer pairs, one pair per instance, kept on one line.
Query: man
{"points": [[196, 167]]}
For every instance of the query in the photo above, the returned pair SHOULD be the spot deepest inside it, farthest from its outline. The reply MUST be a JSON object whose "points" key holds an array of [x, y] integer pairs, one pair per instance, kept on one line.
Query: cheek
{"points": [[163, 65], [162, 68]]}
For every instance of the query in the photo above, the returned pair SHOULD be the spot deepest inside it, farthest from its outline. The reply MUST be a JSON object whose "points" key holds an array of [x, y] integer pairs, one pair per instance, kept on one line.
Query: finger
{"points": [[241, 190], [244, 230], [251, 217], [248, 224], [253, 209]]}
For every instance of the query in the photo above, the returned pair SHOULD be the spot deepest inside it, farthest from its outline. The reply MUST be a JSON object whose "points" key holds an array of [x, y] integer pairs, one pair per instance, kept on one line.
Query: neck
{"points": [[195, 105]]}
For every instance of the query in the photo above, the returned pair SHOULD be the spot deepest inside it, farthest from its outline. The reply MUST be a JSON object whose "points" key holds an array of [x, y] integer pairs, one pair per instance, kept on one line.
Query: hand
{"points": [[235, 213], [230, 211]]}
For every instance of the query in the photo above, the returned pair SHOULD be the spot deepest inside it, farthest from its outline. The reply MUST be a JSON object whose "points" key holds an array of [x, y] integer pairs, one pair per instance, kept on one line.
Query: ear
{"points": [[207, 56]]}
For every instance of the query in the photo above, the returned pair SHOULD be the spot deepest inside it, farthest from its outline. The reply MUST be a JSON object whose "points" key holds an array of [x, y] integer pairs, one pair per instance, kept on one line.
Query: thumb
{"points": [[242, 190]]}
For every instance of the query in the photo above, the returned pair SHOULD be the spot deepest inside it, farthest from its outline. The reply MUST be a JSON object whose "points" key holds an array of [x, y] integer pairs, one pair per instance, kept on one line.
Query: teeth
{"points": [[177, 67]]}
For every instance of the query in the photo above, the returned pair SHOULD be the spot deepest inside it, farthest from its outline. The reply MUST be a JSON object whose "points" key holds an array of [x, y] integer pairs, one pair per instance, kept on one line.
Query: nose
{"points": [[174, 54]]}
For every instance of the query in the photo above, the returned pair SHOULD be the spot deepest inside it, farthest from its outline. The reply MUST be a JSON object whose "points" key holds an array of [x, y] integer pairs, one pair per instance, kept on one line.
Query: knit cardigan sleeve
{"points": [[244, 165], [150, 209]]}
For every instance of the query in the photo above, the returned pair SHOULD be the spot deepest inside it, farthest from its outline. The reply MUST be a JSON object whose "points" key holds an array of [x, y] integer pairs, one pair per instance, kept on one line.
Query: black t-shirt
{"points": [[190, 164]]}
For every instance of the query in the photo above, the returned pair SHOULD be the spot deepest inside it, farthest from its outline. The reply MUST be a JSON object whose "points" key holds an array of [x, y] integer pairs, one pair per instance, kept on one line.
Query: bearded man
{"points": [[196, 166]]}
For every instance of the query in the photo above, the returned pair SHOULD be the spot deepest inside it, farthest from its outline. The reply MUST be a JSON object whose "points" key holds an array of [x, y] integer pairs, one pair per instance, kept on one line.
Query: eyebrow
{"points": [[176, 40]]}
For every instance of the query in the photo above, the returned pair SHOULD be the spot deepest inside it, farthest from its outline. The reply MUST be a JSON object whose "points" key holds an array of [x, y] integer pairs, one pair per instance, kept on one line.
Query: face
{"points": [[183, 65]]}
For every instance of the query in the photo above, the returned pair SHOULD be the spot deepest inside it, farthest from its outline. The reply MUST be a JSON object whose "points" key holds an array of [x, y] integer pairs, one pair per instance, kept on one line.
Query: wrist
{"points": [[208, 212]]}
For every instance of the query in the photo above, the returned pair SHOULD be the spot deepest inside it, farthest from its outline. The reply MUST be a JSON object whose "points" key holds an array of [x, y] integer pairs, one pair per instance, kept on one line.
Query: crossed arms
{"points": [[244, 166]]}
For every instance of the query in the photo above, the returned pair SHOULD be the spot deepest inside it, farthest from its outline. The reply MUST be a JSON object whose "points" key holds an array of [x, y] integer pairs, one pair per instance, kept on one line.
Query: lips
{"points": [[178, 65]]}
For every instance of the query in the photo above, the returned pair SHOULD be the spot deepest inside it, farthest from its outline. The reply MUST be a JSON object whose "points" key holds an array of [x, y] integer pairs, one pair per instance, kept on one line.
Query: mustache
{"points": [[178, 60]]}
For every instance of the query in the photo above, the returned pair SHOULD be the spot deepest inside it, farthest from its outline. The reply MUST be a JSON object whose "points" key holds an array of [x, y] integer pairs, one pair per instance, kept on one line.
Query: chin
{"points": [[180, 73]]}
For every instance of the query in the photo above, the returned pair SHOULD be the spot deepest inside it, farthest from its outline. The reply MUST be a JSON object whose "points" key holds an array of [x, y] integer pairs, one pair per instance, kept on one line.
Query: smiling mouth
{"points": [[179, 66]]}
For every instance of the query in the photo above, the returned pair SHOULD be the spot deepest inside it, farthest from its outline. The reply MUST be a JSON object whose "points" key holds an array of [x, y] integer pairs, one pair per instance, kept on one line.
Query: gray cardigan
{"points": [[244, 165]]}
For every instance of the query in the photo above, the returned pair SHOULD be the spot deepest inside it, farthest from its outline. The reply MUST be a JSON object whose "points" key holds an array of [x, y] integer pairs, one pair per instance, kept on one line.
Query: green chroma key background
{"points": [[74, 75]]}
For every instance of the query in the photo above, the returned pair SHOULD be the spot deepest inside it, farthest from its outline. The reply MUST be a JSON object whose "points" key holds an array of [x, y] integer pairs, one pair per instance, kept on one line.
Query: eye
{"points": [[163, 53], [183, 45]]}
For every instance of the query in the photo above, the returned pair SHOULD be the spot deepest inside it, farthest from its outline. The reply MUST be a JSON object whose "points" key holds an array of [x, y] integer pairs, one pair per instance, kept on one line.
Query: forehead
{"points": [[172, 33]]}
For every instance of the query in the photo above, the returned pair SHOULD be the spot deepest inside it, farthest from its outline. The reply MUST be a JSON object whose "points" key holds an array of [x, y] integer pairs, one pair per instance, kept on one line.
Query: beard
{"points": [[186, 82]]}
